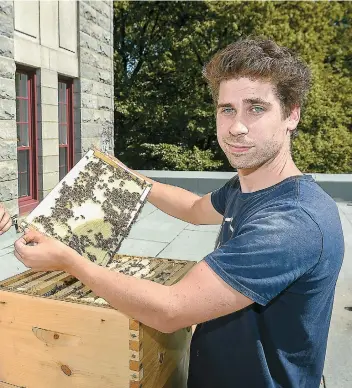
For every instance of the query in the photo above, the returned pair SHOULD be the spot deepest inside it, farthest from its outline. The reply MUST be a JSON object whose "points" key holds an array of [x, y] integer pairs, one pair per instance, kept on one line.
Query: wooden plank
{"points": [[154, 276], [32, 276], [7, 385], [50, 285], [29, 286], [133, 324], [180, 274], [135, 384], [176, 267], [86, 292], [162, 354], [76, 286], [135, 346], [13, 279], [94, 347], [162, 275], [127, 269], [179, 377]]}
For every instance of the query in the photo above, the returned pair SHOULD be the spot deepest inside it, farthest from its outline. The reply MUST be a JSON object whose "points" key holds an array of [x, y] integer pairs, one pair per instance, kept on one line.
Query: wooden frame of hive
{"points": [[54, 332]]}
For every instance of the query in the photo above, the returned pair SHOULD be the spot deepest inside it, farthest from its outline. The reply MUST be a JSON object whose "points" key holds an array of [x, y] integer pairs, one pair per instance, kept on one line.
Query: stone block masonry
{"points": [[91, 68], [96, 71], [8, 131]]}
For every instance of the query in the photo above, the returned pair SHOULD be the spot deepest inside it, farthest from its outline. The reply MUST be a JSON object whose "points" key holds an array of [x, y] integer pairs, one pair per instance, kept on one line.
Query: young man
{"points": [[263, 298]]}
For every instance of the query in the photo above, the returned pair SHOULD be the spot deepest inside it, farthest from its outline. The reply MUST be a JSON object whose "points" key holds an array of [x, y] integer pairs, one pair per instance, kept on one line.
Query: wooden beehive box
{"points": [[54, 332]]}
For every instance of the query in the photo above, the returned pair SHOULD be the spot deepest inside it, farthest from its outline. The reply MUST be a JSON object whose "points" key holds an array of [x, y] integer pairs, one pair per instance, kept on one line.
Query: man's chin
{"points": [[239, 164]]}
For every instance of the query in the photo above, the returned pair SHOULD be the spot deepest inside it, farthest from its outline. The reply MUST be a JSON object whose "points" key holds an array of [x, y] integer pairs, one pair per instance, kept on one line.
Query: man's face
{"points": [[250, 126]]}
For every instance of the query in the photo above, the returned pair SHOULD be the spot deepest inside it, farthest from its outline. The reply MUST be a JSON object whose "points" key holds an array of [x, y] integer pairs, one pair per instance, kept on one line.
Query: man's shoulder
{"points": [[318, 204], [297, 202]]}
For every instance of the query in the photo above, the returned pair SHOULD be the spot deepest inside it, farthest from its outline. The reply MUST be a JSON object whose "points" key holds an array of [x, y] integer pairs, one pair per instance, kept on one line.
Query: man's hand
{"points": [[5, 220], [44, 253]]}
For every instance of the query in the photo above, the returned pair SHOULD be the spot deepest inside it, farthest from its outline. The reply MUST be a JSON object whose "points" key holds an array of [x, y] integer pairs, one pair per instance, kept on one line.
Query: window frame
{"points": [[69, 123], [29, 202]]}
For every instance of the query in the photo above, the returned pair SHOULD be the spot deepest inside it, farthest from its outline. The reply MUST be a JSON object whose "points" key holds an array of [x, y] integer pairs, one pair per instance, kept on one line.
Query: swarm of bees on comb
{"points": [[93, 208]]}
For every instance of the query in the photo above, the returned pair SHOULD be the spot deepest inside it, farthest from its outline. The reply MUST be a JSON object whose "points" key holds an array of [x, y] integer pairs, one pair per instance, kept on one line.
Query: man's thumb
{"points": [[32, 236]]}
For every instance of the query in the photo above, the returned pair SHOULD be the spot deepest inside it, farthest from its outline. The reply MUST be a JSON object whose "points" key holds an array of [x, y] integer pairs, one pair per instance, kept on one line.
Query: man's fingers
{"points": [[7, 226], [20, 245], [33, 236], [20, 258], [17, 253], [4, 220]]}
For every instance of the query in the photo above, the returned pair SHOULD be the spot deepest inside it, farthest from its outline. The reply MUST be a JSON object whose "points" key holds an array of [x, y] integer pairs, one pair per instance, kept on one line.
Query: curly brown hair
{"points": [[258, 58]]}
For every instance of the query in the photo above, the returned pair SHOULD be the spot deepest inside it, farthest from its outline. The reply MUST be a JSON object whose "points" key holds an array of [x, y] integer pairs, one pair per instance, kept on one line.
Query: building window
{"points": [[26, 140], [66, 134]]}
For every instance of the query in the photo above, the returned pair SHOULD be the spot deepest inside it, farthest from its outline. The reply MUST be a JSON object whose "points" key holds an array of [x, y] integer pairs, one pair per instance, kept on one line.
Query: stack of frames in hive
{"points": [[56, 333]]}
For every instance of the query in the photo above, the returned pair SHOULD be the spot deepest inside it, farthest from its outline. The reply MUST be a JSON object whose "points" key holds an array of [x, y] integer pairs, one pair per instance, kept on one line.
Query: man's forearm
{"points": [[141, 299], [175, 201]]}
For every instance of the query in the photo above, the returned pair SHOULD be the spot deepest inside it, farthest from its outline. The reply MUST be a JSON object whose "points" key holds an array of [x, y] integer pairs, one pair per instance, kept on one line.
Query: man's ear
{"points": [[294, 118]]}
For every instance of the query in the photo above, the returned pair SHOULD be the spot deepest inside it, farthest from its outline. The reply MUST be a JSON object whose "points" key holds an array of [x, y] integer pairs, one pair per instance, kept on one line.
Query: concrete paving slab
{"points": [[10, 266], [346, 208], [190, 245], [135, 247], [157, 226], [337, 369], [148, 208], [6, 250], [7, 239], [204, 228]]}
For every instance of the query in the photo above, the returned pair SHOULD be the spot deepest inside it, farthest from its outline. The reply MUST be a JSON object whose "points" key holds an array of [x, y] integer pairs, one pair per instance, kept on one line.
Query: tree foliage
{"points": [[164, 115]]}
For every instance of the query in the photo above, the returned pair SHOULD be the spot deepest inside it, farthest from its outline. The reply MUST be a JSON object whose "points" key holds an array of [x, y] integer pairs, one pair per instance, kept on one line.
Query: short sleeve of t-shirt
{"points": [[219, 196], [269, 252]]}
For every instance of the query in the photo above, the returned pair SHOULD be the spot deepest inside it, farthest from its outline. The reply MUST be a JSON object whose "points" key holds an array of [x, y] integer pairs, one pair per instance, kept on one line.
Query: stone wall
{"points": [[8, 132], [47, 130], [89, 63], [96, 96]]}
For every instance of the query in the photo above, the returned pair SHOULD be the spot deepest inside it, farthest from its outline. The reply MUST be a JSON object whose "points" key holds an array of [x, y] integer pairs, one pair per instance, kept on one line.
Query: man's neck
{"points": [[267, 175]]}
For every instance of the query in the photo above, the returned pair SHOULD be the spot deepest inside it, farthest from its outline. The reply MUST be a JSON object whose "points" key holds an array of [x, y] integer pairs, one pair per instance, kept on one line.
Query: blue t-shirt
{"points": [[283, 248]]}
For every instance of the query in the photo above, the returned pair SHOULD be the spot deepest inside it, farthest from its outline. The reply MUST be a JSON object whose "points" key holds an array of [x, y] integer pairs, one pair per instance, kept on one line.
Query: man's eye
{"points": [[257, 109], [227, 110]]}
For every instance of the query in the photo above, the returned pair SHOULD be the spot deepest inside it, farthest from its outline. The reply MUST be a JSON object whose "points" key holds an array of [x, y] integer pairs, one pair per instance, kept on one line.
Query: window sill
{"points": [[27, 205]]}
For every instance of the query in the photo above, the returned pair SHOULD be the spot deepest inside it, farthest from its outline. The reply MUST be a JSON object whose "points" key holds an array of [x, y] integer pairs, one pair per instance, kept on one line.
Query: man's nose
{"points": [[238, 128]]}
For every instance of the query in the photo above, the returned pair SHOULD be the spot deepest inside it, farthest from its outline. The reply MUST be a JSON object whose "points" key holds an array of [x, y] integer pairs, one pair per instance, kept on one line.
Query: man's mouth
{"points": [[238, 148]]}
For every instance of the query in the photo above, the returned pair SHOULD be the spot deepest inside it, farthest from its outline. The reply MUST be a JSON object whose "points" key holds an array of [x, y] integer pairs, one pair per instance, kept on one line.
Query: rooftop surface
{"points": [[156, 234]]}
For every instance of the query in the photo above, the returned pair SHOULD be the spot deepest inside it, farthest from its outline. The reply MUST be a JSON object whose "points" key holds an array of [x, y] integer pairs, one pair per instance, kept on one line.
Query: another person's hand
{"points": [[5, 220], [43, 253]]}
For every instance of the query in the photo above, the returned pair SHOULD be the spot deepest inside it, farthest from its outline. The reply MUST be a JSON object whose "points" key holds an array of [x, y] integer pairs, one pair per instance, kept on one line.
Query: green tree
{"points": [[164, 115]]}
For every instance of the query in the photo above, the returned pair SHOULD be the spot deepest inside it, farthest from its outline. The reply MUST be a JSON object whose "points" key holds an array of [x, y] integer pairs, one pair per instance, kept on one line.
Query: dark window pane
{"points": [[24, 110], [62, 92], [18, 84], [22, 135], [63, 134], [63, 109], [18, 110], [62, 113], [21, 85], [23, 174], [62, 162], [24, 85]]}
